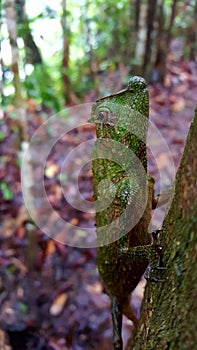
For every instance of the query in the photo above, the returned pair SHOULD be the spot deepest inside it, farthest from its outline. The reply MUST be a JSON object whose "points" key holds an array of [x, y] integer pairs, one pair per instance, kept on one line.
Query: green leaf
{"points": [[1, 136], [6, 191], [23, 308]]}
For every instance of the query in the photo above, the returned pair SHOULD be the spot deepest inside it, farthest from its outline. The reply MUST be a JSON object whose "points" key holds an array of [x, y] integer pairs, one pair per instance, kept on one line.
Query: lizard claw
{"points": [[150, 274], [154, 279]]}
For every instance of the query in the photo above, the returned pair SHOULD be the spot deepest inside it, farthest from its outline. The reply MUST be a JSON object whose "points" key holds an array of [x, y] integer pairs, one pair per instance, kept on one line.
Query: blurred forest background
{"points": [[57, 54]]}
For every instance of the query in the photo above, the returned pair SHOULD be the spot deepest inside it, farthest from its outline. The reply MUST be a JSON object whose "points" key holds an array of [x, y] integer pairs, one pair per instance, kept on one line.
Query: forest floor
{"points": [[51, 297]]}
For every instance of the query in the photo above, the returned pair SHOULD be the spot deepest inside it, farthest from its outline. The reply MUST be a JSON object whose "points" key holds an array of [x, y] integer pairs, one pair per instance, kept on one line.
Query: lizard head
{"points": [[109, 109], [123, 108], [123, 116]]}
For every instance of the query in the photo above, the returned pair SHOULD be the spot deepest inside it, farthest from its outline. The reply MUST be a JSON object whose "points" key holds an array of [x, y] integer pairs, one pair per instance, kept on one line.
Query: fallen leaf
{"points": [[74, 221], [51, 170], [94, 288], [51, 248], [58, 304], [178, 105]]}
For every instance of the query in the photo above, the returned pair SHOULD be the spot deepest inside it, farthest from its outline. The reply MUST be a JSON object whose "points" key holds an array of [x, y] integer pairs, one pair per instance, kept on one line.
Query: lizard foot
{"points": [[155, 260], [150, 274]]}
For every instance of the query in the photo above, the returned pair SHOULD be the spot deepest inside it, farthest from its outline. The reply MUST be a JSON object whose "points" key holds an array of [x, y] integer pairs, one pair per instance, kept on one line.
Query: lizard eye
{"points": [[102, 116]]}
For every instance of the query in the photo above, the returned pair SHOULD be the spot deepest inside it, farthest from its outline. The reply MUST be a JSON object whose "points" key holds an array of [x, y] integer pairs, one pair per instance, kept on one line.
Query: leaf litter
{"points": [[57, 301]]}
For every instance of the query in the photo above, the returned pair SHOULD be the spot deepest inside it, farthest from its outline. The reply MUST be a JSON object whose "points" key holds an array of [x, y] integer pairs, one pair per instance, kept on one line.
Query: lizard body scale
{"points": [[122, 256]]}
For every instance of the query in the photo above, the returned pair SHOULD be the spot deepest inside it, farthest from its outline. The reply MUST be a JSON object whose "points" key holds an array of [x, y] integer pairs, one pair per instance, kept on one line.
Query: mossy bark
{"points": [[169, 310]]}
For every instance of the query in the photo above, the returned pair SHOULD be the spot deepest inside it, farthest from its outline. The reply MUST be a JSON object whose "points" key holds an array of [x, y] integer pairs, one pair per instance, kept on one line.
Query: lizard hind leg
{"points": [[128, 311]]}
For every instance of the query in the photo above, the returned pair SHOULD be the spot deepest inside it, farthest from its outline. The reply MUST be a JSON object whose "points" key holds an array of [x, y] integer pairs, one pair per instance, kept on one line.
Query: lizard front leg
{"points": [[151, 253], [155, 260]]}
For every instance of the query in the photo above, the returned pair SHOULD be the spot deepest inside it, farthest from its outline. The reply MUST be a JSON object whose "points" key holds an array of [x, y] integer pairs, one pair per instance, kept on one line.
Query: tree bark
{"points": [[168, 316]]}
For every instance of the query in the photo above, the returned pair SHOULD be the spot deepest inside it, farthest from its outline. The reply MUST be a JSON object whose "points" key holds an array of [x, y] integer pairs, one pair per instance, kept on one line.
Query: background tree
{"points": [[21, 128], [153, 38], [18, 96], [2, 80], [32, 53], [68, 96]]}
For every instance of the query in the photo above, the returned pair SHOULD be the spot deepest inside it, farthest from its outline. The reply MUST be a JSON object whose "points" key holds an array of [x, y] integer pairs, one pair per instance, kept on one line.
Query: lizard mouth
{"points": [[105, 124]]}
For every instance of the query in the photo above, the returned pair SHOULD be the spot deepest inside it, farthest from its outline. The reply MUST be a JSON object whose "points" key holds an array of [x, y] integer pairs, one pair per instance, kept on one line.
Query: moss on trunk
{"points": [[169, 310]]}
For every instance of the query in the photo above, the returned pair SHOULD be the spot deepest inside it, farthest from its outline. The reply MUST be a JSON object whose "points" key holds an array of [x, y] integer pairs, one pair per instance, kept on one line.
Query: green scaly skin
{"points": [[122, 258]]}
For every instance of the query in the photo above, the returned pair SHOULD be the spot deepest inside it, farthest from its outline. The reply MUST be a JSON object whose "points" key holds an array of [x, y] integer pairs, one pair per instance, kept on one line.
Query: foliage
{"points": [[41, 86], [100, 37]]}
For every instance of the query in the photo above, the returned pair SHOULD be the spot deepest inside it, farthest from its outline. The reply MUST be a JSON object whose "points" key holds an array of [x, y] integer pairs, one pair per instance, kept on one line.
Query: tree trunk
{"points": [[168, 316], [150, 37], [2, 96], [192, 35], [32, 54], [163, 44], [134, 9], [28, 182], [18, 97], [68, 95], [153, 38], [141, 37], [159, 65], [86, 18]]}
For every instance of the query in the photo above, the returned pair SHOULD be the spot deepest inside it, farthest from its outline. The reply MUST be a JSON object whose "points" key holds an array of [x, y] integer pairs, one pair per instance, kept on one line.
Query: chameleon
{"points": [[124, 198]]}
